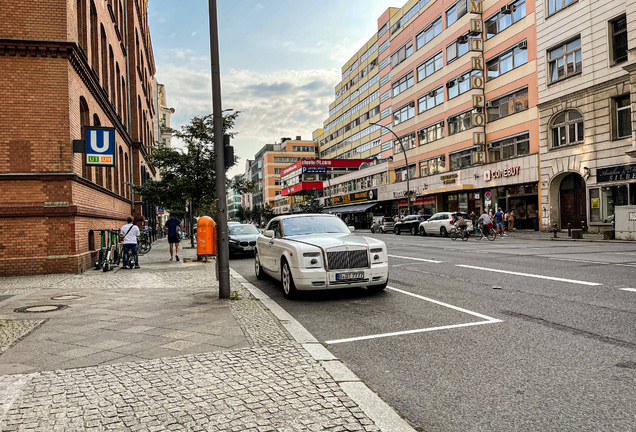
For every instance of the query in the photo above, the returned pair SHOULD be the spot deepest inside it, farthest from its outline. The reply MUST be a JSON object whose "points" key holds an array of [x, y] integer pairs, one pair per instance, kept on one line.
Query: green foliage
{"points": [[243, 186], [268, 213], [311, 204], [189, 173], [243, 213]]}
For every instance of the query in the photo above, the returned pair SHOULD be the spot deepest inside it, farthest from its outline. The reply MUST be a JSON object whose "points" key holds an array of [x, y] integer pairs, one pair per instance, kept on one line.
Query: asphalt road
{"points": [[554, 349]]}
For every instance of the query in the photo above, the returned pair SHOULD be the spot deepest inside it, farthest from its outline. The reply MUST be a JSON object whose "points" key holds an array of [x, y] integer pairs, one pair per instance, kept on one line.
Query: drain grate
{"points": [[67, 297], [40, 308]]}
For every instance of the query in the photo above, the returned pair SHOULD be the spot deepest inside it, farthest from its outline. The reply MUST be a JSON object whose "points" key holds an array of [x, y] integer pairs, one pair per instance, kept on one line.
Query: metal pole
{"points": [[406, 161], [223, 252]]}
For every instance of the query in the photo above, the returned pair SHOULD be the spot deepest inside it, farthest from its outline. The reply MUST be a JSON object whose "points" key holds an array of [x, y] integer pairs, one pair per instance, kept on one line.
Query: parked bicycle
{"points": [[143, 244]]}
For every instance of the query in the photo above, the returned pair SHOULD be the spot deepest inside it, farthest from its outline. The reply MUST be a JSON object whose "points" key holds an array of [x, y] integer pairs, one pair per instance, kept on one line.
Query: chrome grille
{"points": [[348, 259], [244, 243], [252, 243]]}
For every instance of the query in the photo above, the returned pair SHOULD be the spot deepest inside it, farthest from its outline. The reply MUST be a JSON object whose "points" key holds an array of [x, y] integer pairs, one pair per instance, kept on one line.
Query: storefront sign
{"points": [[478, 101], [632, 216], [505, 172], [475, 6], [476, 82], [617, 173], [476, 25], [476, 44], [479, 138], [355, 197], [479, 119], [417, 201], [314, 170], [595, 203], [479, 158], [449, 179], [477, 63], [402, 194]]}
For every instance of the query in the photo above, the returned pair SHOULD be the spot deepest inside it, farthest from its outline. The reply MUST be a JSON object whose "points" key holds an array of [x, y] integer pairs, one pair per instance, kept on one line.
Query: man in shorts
{"points": [[499, 221], [173, 238]]}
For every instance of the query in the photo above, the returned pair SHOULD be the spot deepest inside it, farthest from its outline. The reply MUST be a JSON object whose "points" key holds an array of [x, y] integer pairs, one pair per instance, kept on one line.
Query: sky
{"points": [[280, 61]]}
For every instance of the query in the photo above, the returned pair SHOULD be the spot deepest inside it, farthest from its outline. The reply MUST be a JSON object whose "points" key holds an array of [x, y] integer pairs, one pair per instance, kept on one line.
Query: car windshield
{"points": [[243, 229], [313, 225]]}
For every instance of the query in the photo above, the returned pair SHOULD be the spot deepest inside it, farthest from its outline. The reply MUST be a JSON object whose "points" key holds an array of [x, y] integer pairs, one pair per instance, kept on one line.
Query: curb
{"points": [[373, 406]]}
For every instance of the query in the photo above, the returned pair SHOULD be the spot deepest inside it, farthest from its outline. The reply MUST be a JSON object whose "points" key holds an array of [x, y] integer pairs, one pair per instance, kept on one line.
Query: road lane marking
{"points": [[580, 261], [415, 259], [489, 320], [530, 275], [628, 289]]}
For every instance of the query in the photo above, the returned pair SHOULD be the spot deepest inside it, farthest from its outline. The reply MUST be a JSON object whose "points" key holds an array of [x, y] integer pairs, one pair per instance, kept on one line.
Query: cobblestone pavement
{"points": [[13, 331], [268, 382]]}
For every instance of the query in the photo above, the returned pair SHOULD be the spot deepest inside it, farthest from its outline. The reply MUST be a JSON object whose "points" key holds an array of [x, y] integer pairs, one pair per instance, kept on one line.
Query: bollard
{"points": [[583, 226], [554, 227], [569, 230]]}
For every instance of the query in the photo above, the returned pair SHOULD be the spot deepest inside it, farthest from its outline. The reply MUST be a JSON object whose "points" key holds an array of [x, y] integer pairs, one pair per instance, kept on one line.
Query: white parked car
{"points": [[319, 252], [442, 223]]}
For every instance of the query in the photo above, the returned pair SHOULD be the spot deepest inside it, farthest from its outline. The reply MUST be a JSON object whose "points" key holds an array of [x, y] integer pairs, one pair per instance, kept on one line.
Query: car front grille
{"points": [[244, 243], [348, 259], [252, 243]]}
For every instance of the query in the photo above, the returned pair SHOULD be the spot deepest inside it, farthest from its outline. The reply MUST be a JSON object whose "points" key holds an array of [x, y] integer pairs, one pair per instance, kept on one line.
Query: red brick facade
{"points": [[64, 65]]}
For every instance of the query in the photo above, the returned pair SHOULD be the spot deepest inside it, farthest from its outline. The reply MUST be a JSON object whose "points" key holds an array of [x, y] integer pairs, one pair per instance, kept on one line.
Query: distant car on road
{"points": [[242, 238], [382, 224], [319, 252], [441, 223], [410, 224]]}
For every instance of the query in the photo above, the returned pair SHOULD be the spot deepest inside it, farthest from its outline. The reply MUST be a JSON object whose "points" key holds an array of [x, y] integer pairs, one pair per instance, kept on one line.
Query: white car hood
{"points": [[328, 240]]}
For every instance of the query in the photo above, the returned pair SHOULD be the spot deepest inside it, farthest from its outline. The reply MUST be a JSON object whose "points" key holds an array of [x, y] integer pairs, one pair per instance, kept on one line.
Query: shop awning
{"points": [[354, 208]]}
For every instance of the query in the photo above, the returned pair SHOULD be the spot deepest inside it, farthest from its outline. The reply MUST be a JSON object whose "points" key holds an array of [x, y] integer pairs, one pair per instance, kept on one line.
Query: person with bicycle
{"points": [[130, 232], [460, 226], [485, 223]]}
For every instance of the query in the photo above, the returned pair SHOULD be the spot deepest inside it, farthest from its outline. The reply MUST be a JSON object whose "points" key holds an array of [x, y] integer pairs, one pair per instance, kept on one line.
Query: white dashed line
{"points": [[415, 259], [628, 289], [530, 275]]}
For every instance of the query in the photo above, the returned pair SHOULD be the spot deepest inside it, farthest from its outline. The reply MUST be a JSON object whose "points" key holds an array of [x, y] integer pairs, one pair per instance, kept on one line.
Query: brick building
{"points": [[65, 65]]}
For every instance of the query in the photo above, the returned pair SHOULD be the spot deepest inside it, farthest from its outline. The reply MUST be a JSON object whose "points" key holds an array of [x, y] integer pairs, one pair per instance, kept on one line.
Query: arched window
{"points": [[121, 17], [104, 59], [119, 95], [94, 41], [567, 129], [96, 121], [113, 91], [137, 48], [85, 120], [81, 23], [124, 103], [127, 169], [120, 162]]}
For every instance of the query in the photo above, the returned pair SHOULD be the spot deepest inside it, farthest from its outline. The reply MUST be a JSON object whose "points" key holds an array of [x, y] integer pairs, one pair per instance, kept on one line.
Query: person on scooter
{"points": [[130, 232]]}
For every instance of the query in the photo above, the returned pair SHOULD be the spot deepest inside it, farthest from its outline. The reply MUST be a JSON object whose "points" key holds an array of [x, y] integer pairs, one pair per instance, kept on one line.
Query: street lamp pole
{"points": [[406, 161], [223, 252]]}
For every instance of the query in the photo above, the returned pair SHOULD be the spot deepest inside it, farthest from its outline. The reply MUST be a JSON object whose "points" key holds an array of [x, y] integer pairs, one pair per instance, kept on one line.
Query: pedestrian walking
{"points": [[173, 237], [347, 220], [130, 232], [511, 221], [499, 221]]}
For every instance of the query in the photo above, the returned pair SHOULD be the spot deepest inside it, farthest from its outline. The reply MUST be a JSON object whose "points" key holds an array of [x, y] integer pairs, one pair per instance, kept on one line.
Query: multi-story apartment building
{"points": [[165, 130], [233, 199], [81, 63], [456, 83], [587, 100]]}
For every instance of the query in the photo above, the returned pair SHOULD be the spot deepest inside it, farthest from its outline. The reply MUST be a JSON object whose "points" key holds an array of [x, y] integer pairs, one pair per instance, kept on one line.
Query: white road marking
{"points": [[626, 265], [530, 275], [489, 320], [628, 289], [415, 259], [581, 261]]}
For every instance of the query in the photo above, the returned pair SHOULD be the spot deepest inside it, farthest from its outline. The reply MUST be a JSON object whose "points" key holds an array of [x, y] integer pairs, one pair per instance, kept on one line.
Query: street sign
{"points": [[160, 210], [100, 146], [488, 194]]}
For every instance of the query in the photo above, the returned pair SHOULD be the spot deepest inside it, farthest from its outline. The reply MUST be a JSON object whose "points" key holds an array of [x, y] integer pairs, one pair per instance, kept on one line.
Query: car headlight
{"points": [[312, 260], [377, 255], [234, 242]]}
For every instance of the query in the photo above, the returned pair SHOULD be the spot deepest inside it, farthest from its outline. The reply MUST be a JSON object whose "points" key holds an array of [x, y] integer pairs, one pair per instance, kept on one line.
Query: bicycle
{"points": [[144, 245], [456, 232]]}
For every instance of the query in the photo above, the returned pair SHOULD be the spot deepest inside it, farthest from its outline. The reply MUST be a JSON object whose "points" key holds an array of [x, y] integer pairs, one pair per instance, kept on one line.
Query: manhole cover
{"points": [[67, 297], [40, 308]]}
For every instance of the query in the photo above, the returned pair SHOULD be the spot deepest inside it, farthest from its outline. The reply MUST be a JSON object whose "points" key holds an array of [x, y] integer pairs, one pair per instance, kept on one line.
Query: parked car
{"points": [[441, 223], [382, 224], [242, 238], [319, 252], [409, 224]]}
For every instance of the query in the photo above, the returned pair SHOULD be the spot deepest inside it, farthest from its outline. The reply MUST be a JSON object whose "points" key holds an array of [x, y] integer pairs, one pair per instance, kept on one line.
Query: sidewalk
{"points": [[156, 349]]}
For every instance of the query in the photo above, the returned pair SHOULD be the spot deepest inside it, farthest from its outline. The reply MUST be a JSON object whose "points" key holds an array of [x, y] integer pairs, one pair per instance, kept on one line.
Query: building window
{"points": [[567, 129], [430, 100], [395, 27], [509, 14], [462, 159], [412, 12], [427, 35], [623, 116], [383, 30], [565, 60], [433, 166], [408, 141], [556, 5], [402, 54], [384, 46], [603, 200], [457, 49], [618, 31], [277, 182], [507, 105], [430, 66], [385, 113], [457, 11], [385, 79], [431, 133], [460, 122], [403, 114], [461, 84], [509, 148], [507, 61], [406, 82]]}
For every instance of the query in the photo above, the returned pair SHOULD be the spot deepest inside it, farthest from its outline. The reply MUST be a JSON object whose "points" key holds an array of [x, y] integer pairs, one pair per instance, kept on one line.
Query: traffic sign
{"points": [[100, 146], [488, 194]]}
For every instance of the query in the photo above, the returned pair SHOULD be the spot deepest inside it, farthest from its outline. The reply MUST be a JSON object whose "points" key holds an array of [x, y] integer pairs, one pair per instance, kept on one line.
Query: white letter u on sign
{"points": [[105, 141]]}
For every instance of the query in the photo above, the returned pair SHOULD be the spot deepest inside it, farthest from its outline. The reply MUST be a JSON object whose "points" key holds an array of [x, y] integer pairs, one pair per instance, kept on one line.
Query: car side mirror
{"points": [[352, 228], [269, 233]]}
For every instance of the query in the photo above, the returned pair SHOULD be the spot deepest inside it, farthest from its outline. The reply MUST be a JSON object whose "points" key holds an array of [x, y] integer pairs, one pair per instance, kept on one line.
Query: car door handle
{"points": [[271, 242]]}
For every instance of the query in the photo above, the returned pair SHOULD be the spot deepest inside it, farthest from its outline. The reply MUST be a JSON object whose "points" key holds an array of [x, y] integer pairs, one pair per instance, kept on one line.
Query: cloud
{"points": [[283, 103], [340, 53], [259, 7], [193, 34]]}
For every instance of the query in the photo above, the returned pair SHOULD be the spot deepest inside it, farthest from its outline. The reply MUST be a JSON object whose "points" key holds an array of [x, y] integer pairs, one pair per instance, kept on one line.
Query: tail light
{"points": [[452, 220]]}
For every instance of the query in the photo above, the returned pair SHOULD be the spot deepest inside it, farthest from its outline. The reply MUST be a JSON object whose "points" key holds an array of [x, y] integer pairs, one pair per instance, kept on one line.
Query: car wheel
{"points": [[289, 289], [378, 288], [422, 232], [381, 231], [257, 267], [372, 231], [443, 232], [413, 231], [397, 231]]}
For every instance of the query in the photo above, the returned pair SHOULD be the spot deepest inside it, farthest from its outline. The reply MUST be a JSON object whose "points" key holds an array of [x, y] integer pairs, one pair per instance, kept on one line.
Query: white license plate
{"points": [[352, 275], [248, 248]]}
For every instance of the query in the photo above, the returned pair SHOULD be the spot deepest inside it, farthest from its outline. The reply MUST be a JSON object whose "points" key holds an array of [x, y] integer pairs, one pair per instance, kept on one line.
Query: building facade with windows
{"points": [[456, 82], [165, 112], [81, 63], [587, 97]]}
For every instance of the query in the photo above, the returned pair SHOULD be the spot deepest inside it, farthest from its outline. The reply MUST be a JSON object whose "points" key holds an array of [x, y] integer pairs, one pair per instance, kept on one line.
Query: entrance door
{"points": [[572, 198]]}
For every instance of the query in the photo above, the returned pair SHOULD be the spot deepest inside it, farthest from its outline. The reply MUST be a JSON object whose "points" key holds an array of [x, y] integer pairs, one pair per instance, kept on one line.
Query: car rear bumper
{"points": [[319, 279]]}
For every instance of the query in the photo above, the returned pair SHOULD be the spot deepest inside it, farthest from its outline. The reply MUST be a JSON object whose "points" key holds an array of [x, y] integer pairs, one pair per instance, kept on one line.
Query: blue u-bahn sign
{"points": [[100, 146]]}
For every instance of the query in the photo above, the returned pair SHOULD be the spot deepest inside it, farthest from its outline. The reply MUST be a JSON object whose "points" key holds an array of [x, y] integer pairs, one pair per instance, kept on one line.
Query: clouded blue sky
{"points": [[280, 60]]}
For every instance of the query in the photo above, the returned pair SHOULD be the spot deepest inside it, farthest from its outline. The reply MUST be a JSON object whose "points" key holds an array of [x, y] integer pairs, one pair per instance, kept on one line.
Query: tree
{"points": [[243, 186], [243, 213], [268, 213], [311, 204]]}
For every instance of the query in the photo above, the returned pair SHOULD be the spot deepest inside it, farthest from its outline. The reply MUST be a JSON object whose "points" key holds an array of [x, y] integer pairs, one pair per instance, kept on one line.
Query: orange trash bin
{"points": [[206, 236]]}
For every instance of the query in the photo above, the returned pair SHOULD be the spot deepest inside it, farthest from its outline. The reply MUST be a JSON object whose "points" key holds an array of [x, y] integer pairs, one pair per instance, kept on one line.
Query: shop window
{"points": [[622, 116], [509, 148], [603, 200], [567, 129]]}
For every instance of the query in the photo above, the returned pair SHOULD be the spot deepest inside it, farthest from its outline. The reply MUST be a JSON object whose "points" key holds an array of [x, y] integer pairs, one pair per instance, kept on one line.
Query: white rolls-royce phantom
{"points": [[319, 252]]}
